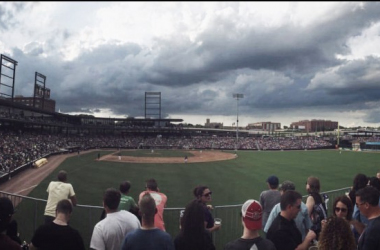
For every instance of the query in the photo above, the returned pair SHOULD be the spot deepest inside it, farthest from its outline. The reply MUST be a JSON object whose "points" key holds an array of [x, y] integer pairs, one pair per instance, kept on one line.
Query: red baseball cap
{"points": [[252, 214]]}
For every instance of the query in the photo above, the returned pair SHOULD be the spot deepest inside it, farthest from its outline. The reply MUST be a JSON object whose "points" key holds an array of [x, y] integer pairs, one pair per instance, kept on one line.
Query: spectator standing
{"points": [[336, 234], [343, 209], [6, 212], [148, 236], [283, 231], [269, 198], [110, 232], [251, 213], [367, 200], [374, 182], [58, 190], [315, 204], [127, 203], [203, 194], [160, 198], [303, 221], [12, 231], [193, 234], [58, 234], [360, 181]]}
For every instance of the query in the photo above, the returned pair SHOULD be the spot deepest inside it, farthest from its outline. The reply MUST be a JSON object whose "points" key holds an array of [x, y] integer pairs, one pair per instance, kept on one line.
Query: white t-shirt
{"points": [[110, 232], [57, 191]]}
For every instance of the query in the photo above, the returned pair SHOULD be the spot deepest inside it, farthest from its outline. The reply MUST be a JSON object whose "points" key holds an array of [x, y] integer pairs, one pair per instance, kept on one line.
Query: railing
{"points": [[30, 214]]}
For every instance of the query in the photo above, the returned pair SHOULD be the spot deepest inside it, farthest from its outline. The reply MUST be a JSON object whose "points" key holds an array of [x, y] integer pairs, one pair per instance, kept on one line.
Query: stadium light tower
{"points": [[237, 97]]}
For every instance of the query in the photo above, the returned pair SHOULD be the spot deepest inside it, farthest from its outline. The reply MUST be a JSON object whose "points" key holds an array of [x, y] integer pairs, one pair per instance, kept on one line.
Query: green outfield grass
{"points": [[232, 182]]}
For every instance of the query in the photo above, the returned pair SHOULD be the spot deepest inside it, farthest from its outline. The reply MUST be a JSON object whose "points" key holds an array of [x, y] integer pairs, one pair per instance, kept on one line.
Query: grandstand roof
{"points": [[8, 103]]}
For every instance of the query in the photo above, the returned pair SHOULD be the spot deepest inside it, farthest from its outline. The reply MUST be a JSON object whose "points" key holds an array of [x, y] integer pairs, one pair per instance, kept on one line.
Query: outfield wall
{"points": [[30, 214]]}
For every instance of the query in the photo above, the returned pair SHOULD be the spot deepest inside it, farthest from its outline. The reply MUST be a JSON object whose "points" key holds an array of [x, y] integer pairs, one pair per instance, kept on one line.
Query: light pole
{"points": [[237, 97]]}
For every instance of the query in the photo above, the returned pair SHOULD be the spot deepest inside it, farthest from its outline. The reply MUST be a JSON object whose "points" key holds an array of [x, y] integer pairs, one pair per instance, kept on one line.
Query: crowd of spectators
{"points": [[20, 147], [361, 138], [121, 229]]}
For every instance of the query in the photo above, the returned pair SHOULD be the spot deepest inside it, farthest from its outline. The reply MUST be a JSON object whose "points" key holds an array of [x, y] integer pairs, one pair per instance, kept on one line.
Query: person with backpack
{"points": [[315, 204]]}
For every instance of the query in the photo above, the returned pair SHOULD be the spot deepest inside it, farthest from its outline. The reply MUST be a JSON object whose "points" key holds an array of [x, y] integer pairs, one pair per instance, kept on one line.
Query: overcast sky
{"points": [[292, 61]]}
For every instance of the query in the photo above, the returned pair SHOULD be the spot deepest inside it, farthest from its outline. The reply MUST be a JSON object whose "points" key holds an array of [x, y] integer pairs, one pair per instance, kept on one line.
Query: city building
{"points": [[314, 125], [264, 126], [209, 124], [49, 104]]}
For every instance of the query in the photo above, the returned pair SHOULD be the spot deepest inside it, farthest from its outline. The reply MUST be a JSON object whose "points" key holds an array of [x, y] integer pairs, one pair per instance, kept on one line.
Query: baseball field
{"points": [[232, 178]]}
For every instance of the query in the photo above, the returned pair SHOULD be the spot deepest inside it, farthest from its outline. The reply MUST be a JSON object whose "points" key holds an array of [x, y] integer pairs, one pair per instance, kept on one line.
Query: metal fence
{"points": [[29, 215]]}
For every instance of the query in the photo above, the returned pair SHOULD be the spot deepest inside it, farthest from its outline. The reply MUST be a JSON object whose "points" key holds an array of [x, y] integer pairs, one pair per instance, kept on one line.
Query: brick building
{"points": [[49, 104], [314, 125], [265, 126], [209, 124]]}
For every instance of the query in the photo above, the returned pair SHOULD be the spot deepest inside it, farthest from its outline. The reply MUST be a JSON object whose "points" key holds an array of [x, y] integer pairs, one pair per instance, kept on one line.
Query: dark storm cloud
{"points": [[372, 116], [88, 111], [280, 68], [104, 77], [294, 49], [353, 82]]}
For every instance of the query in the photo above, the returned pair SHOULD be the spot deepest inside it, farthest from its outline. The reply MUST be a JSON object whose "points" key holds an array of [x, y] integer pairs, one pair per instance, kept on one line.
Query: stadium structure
{"points": [[35, 131]]}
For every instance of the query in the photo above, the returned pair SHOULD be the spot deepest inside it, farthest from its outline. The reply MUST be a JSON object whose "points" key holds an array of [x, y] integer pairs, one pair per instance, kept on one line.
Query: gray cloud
{"points": [[9, 12], [352, 82], [282, 68], [373, 116], [224, 47]]}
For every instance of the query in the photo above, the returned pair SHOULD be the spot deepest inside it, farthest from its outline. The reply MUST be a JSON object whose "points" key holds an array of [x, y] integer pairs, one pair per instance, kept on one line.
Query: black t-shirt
{"points": [[204, 242], [284, 234], [208, 217], [370, 240], [246, 244], [53, 236]]}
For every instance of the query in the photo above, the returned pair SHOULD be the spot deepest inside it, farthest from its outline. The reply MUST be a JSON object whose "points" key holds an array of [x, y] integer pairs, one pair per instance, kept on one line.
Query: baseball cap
{"points": [[6, 207], [272, 180], [287, 185], [252, 214]]}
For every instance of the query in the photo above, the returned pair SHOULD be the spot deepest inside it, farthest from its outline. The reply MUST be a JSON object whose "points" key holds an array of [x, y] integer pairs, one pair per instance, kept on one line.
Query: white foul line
{"points": [[25, 189]]}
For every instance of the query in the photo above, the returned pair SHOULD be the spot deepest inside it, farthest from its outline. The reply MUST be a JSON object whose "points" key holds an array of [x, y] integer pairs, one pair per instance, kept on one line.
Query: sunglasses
{"points": [[338, 209], [208, 194]]}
